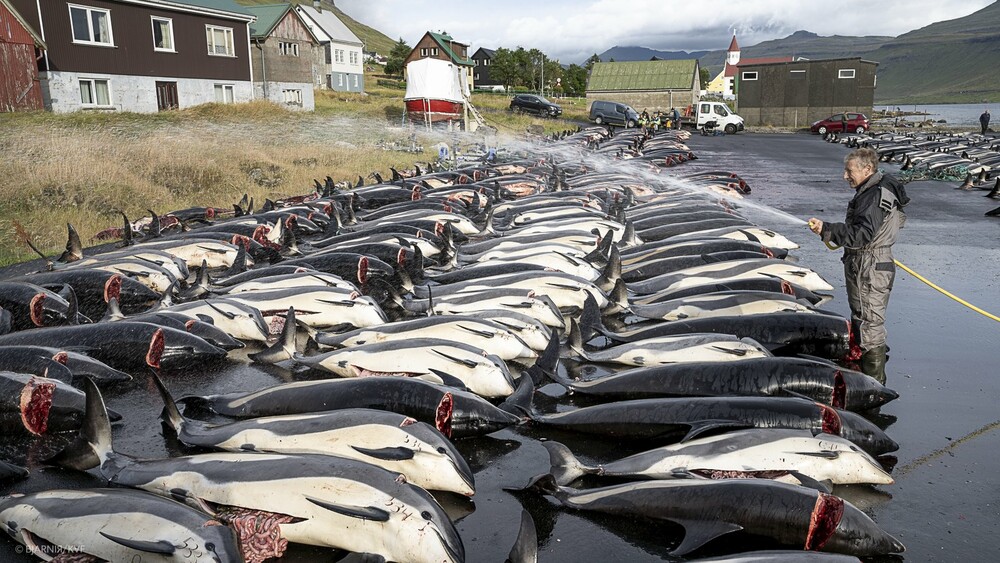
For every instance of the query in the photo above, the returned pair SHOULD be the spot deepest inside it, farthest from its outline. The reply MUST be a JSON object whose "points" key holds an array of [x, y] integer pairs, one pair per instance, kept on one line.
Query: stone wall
{"points": [[61, 91], [650, 101]]}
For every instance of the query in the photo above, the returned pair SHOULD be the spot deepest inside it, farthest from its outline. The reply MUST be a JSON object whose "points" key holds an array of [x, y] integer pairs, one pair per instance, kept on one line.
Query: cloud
{"points": [[573, 30]]}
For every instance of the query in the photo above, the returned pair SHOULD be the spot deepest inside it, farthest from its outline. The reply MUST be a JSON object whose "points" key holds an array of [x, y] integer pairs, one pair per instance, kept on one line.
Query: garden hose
{"points": [[932, 285]]}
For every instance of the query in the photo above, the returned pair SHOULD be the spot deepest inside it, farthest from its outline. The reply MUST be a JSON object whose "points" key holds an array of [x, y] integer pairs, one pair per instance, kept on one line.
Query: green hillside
{"points": [[950, 61], [373, 39], [802, 44]]}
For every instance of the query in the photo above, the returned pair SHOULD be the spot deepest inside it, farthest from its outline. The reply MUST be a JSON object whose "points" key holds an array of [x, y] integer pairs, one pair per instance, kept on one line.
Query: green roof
{"points": [[644, 75], [267, 18], [445, 41], [218, 5]]}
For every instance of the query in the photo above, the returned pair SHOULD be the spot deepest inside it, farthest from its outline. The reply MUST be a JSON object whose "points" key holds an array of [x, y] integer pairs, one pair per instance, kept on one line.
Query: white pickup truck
{"points": [[705, 112]]}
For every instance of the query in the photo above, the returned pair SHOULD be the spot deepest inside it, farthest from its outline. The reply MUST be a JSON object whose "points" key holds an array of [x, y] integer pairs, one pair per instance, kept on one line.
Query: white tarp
{"points": [[435, 79]]}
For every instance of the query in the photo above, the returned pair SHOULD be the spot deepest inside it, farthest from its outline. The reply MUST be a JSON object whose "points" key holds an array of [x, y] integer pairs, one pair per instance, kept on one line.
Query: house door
{"points": [[166, 95]]}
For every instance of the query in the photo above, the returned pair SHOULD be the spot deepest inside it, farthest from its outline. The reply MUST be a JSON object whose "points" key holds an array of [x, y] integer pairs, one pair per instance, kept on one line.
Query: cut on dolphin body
{"points": [[116, 525], [789, 515], [389, 440], [318, 499]]}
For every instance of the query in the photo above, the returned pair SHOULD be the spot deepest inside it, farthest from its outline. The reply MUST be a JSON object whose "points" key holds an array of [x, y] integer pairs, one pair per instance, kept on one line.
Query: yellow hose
{"points": [[956, 298], [930, 283]]}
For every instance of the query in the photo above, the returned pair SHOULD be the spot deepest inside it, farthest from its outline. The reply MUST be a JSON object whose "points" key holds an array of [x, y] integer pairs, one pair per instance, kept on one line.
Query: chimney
{"points": [[317, 5]]}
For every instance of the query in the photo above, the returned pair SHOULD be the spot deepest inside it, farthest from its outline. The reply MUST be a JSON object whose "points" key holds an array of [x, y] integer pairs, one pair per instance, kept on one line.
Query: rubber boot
{"points": [[873, 363]]}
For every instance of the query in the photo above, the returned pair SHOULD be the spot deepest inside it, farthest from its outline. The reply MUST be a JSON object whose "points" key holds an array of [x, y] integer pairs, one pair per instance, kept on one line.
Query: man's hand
{"points": [[815, 225]]}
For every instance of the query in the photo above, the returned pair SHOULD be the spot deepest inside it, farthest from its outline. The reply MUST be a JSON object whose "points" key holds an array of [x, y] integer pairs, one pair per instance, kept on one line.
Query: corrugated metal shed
{"points": [[643, 75]]}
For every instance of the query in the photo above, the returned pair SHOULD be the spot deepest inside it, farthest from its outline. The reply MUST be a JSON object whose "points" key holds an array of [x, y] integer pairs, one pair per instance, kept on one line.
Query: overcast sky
{"points": [[572, 30]]}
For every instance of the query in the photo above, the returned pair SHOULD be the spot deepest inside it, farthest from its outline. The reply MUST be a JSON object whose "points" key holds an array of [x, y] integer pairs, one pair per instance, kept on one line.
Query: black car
{"points": [[535, 104]]}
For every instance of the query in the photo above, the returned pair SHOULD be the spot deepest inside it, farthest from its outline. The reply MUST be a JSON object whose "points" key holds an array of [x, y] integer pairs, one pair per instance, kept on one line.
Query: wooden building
{"points": [[482, 59], [442, 46], [650, 85], [284, 52], [20, 46], [794, 94], [141, 55], [340, 61]]}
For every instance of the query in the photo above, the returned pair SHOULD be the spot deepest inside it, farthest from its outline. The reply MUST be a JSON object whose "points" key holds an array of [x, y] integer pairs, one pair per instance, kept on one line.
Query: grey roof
{"points": [[329, 23], [488, 52]]}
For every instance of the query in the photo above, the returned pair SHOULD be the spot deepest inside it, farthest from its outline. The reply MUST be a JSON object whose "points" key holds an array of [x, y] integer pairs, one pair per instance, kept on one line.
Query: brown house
{"points": [[284, 54], [141, 55], [20, 89], [442, 46]]}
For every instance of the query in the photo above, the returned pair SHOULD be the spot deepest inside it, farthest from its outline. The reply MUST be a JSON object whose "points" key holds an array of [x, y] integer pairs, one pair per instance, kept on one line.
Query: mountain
{"points": [[373, 39], [954, 61], [645, 54]]}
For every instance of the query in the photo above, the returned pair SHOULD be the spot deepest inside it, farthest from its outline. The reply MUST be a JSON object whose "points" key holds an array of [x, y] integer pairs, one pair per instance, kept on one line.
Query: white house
{"points": [[343, 66]]}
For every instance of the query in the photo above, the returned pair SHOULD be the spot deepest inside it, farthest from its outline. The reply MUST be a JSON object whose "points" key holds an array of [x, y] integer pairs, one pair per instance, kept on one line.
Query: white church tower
{"points": [[733, 52]]}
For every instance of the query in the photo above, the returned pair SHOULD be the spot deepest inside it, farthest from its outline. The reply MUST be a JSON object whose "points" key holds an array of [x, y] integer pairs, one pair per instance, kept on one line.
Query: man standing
{"points": [[874, 217], [984, 120]]}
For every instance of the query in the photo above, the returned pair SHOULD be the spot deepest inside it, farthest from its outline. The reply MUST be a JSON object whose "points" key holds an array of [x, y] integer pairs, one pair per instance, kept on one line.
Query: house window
{"points": [[95, 93], [292, 97], [486, 62], [220, 41], [356, 84], [423, 51], [354, 57], [163, 34], [340, 80], [434, 51], [91, 25], [224, 94], [288, 49], [338, 55], [797, 74], [749, 76], [476, 77], [845, 73]]}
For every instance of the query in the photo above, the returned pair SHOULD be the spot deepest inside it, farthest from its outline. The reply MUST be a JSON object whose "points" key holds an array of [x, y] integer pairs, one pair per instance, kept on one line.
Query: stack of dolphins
{"points": [[431, 308]]}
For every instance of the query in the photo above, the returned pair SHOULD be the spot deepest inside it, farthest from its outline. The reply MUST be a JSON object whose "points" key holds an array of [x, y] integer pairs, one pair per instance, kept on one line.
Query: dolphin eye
{"points": [[426, 515], [441, 450], [210, 546]]}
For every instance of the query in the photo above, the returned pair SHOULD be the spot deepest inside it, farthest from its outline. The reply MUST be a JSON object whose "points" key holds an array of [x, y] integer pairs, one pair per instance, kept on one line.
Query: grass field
{"points": [[86, 167]]}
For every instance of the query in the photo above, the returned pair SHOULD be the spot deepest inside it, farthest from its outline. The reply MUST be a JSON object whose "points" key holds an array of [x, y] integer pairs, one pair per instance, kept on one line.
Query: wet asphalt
{"points": [[945, 504]]}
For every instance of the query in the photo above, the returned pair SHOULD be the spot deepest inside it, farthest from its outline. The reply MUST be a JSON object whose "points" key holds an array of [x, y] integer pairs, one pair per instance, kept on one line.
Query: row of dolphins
{"points": [[431, 309], [939, 154]]}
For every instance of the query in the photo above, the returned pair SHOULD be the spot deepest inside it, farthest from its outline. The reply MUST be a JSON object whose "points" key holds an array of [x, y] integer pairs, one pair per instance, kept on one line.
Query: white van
{"points": [[718, 112]]}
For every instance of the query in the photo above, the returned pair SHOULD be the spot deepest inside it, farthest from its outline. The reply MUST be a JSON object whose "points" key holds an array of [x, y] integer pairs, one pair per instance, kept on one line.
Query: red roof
{"points": [[731, 70], [733, 46]]}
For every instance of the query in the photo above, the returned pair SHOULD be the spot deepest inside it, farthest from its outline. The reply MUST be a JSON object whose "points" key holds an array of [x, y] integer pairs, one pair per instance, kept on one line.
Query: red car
{"points": [[856, 123]]}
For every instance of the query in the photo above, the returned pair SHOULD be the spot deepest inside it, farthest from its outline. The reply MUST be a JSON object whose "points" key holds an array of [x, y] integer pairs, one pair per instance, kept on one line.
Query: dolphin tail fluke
{"points": [[519, 402], [566, 468], [74, 248], [239, 263], [543, 484], [202, 286], [114, 311], [289, 244], [284, 348], [995, 192], [171, 414], [599, 256], [612, 271], [525, 549], [590, 320], [93, 443], [575, 340], [548, 361], [127, 234]]}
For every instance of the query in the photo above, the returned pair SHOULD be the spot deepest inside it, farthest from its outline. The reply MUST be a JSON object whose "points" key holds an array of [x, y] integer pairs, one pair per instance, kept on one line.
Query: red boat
{"points": [[417, 109], [436, 91]]}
